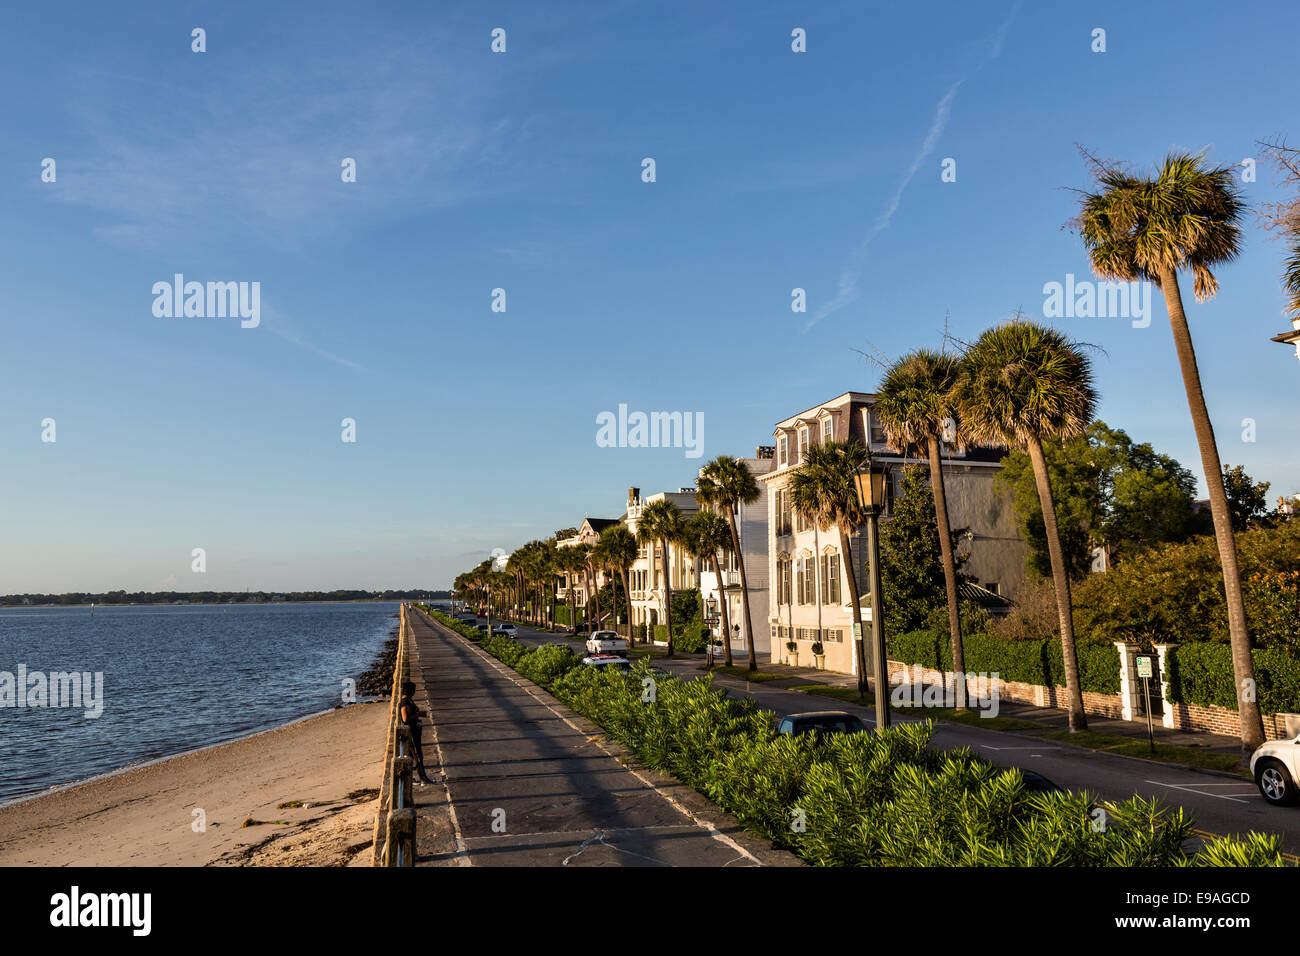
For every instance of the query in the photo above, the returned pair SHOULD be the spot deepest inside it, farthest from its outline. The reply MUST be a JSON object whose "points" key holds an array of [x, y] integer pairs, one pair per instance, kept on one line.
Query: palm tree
{"points": [[661, 524], [1022, 384], [547, 568], [707, 534], [726, 483], [822, 490], [589, 569], [618, 547], [1187, 217], [914, 405], [569, 561]]}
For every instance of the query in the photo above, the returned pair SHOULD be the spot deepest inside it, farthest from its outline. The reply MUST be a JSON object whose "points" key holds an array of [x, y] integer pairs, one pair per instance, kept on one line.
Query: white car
{"points": [[1276, 769], [606, 642], [509, 630], [612, 661]]}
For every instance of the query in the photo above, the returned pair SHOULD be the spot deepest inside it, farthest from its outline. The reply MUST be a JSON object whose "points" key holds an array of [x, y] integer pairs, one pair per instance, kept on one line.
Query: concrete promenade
{"points": [[521, 780]]}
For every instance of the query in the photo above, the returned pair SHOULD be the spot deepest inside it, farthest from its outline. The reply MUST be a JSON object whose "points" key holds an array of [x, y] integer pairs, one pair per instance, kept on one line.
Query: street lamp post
{"points": [[870, 487], [710, 617]]}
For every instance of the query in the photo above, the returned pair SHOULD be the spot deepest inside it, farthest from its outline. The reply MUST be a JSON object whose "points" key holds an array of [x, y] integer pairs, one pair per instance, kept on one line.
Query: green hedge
{"points": [[1030, 662], [1201, 673]]}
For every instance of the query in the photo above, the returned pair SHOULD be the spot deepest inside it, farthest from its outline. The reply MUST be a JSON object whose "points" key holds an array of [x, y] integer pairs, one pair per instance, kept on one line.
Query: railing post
{"points": [[399, 846], [403, 783]]}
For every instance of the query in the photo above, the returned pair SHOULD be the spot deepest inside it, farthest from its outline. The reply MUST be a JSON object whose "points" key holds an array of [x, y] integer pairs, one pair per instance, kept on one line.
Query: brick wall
{"points": [[1213, 720], [1103, 705], [1220, 720]]}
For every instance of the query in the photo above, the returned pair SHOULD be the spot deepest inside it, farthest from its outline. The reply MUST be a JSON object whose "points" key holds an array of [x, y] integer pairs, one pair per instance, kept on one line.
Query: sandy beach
{"points": [[299, 795]]}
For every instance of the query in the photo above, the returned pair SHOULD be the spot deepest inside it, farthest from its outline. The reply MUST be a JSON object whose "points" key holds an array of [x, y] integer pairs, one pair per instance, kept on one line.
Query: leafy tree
{"points": [[1110, 492], [1181, 594], [911, 567], [1247, 498], [1187, 217]]}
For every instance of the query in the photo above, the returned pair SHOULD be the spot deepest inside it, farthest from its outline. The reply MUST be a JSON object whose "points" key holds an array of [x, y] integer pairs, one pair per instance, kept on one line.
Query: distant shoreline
{"points": [[28, 607]]}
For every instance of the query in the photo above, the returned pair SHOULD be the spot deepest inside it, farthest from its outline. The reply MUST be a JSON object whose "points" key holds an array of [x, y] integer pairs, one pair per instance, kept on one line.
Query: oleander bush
{"points": [[546, 665], [868, 799]]}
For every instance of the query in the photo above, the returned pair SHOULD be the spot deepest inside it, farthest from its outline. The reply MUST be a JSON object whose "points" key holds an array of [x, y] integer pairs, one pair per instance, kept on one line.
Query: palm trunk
{"points": [[668, 599], [726, 617], [627, 599], [949, 571], [1061, 579], [744, 588], [855, 594], [1243, 665]]}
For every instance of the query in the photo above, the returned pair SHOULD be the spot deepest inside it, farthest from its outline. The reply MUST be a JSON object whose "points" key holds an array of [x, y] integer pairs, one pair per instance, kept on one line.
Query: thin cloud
{"points": [[852, 272], [280, 325], [255, 156]]}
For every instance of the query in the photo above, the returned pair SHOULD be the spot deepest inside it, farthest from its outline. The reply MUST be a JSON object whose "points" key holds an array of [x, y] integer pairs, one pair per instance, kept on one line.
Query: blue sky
{"points": [[522, 170]]}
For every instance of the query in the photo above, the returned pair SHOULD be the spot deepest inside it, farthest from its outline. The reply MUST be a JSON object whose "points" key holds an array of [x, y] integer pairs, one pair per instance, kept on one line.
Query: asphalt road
{"points": [[1220, 804]]}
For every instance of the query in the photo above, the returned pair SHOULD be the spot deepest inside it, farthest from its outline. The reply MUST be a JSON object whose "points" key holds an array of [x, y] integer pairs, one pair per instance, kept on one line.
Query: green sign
{"points": [[1144, 666], [857, 630]]}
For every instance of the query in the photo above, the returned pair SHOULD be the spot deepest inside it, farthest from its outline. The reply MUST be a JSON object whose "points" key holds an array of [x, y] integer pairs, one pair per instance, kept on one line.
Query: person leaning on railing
{"points": [[410, 715]]}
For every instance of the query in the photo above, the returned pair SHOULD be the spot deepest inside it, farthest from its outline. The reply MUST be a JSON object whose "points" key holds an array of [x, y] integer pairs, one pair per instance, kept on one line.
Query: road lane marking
{"points": [[1176, 786]]}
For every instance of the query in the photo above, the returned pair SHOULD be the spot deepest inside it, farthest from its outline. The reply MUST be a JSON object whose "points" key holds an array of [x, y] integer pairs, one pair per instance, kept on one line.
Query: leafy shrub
{"points": [[1201, 673], [690, 639], [545, 665]]}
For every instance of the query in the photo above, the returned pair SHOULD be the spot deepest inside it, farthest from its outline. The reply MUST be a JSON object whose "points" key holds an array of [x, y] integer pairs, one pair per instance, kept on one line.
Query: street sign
{"points": [[857, 631], [1144, 667]]}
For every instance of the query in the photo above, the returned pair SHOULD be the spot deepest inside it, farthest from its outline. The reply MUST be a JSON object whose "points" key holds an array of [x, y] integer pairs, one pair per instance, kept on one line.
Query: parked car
{"points": [[481, 628], [820, 721], [1037, 783], [606, 642], [1276, 769], [509, 630], [612, 661]]}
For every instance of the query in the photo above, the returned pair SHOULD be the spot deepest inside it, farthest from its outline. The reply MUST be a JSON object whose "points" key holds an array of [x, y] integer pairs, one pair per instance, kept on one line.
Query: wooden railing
{"points": [[394, 840]]}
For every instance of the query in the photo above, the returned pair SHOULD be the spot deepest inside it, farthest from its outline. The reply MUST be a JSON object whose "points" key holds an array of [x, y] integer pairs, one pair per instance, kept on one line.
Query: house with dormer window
{"points": [[809, 598]]}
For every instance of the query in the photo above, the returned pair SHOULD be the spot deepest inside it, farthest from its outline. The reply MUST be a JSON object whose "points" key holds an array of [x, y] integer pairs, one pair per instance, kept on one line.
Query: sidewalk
{"points": [[521, 780]]}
